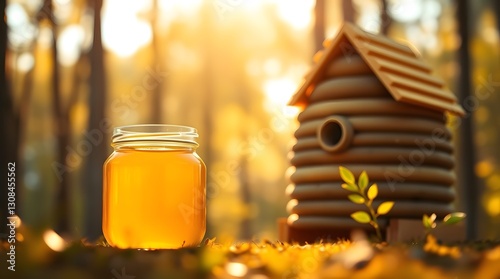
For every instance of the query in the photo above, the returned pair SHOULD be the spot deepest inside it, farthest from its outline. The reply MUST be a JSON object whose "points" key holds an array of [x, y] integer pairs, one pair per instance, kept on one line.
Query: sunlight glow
{"points": [[54, 241], [16, 15], [87, 25], [431, 9], [25, 62], [21, 30], [493, 205], [280, 90], [184, 6], [272, 67], [171, 10], [17, 221], [296, 13], [360, 250], [289, 171], [405, 10], [292, 218], [484, 168], [254, 5], [19, 237], [421, 39], [123, 32], [489, 34], [182, 56], [236, 269], [369, 16], [32, 6], [69, 44], [291, 112], [291, 204], [278, 93], [44, 39], [62, 10]]}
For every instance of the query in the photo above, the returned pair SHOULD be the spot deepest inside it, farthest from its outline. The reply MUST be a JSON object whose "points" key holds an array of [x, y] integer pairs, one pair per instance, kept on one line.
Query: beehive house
{"points": [[369, 103]]}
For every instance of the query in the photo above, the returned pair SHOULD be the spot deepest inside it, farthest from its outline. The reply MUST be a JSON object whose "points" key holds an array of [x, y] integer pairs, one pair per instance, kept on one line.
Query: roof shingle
{"points": [[405, 75]]}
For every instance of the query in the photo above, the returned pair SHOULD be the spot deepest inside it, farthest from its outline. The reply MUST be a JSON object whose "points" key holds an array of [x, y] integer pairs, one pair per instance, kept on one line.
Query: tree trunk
{"points": [[246, 231], [319, 25], [156, 96], [207, 30], [385, 18], [97, 132], [246, 227], [62, 209], [348, 10], [496, 10], [8, 126], [470, 189], [22, 117]]}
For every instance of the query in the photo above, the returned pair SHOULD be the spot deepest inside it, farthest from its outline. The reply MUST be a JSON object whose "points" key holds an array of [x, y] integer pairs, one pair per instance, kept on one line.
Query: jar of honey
{"points": [[154, 188]]}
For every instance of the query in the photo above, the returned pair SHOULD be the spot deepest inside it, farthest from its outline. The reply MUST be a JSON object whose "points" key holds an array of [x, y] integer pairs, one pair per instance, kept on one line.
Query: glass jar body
{"points": [[154, 197]]}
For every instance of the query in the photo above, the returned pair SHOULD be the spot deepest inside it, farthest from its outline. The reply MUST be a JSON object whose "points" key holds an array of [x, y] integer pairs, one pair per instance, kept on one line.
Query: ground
{"points": [[427, 258]]}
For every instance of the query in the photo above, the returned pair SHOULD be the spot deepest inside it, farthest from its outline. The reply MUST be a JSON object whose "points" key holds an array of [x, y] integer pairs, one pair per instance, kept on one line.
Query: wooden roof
{"points": [[407, 78]]}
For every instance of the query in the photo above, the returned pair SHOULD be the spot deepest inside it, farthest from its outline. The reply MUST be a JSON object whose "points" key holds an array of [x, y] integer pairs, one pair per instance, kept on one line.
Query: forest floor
{"points": [[428, 258]]}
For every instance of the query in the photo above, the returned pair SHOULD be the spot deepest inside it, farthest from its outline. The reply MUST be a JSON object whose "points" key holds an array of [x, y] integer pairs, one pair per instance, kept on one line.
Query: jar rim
{"points": [[154, 133]]}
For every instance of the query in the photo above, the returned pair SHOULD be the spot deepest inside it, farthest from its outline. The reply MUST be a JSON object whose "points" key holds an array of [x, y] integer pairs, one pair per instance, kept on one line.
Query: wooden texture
{"points": [[369, 104], [405, 76]]}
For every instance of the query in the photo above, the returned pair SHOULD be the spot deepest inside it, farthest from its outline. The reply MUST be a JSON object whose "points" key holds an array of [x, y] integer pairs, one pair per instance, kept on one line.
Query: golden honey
{"points": [[154, 188]]}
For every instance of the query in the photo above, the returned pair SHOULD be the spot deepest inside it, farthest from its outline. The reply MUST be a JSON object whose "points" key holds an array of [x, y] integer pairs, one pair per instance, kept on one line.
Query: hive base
{"points": [[302, 236], [399, 230], [404, 230]]}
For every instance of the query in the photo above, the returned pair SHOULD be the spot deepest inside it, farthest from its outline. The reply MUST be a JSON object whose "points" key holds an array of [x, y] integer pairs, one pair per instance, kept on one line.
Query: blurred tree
{"points": [[272, 49], [385, 18], [206, 29], [8, 121], [62, 128], [157, 62], [348, 10], [470, 187], [246, 228], [13, 118], [485, 76], [496, 10], [98, 128], [319, 24]]}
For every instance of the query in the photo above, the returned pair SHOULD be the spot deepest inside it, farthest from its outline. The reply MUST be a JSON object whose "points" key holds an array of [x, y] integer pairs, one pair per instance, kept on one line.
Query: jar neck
{"points": [[155, 146], [155, 137]]}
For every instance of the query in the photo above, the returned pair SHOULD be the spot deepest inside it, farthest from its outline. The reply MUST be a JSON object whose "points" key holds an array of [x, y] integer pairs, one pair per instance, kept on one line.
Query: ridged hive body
{"points": [[351, 119]]}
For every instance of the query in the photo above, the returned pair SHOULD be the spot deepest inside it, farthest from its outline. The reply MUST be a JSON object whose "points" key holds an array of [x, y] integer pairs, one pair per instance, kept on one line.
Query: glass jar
{"points": [[154, 188]]}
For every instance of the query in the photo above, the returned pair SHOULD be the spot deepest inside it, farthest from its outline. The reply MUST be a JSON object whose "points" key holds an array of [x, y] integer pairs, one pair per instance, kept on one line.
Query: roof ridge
{"points": [[385, 57]]}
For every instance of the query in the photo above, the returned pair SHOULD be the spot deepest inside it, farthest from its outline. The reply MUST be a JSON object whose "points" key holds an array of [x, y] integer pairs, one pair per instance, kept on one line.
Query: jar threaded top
{"points": [[154, 135]]}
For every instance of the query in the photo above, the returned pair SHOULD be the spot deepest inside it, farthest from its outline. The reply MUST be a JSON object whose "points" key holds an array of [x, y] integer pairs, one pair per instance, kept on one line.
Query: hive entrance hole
{"points": [[331, 134], [335, 134]]}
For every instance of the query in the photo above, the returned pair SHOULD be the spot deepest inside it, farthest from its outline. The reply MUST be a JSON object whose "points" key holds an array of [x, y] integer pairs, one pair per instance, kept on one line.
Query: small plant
{"points": [[429, 222], [364, 195]]}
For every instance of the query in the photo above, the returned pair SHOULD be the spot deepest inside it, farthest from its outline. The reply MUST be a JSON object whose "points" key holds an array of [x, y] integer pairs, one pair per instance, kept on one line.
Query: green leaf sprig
{"points": [[362, 194], [429, 222]]}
